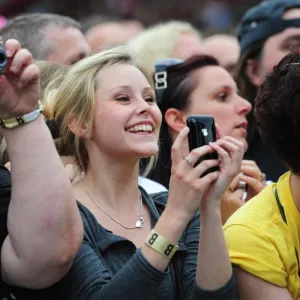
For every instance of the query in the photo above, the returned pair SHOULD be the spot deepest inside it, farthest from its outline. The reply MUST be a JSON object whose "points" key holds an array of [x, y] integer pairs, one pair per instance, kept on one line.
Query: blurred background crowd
{"points": [[216, 14], [187, 57]]}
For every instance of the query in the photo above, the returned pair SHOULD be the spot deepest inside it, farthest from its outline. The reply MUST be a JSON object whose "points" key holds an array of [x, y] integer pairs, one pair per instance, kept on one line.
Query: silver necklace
{"points": [[139, 223]]}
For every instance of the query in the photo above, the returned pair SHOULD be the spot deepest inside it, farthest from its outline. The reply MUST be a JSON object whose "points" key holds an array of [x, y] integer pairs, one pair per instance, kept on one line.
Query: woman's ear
{"points": [[253, 72], [175, 119], [73, 125]]}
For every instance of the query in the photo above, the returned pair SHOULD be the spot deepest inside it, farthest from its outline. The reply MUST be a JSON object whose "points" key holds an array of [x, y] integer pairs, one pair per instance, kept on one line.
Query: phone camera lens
{"points": [[193, 120]]}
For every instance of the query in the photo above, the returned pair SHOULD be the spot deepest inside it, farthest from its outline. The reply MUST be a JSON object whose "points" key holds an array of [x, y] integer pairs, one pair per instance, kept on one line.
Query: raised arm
{"points": [[214, 270], [44, 225]]}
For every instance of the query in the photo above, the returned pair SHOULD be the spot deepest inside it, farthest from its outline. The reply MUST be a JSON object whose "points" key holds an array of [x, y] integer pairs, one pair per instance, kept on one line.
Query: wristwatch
{"points": [[17, 121]]}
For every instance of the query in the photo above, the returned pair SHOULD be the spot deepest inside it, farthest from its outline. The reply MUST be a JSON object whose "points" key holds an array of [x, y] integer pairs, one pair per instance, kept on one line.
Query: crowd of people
{"points": [[100, 195]]}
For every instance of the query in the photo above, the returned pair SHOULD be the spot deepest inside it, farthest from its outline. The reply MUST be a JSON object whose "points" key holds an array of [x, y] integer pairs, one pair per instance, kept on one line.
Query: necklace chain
{"points": [[139, 223]]}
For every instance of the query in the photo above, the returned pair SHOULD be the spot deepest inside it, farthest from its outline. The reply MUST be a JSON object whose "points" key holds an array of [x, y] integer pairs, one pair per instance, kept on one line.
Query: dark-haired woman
{"points": [[200, 86]]}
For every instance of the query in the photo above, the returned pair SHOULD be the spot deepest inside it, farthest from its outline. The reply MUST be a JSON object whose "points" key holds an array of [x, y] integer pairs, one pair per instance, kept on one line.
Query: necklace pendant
{"points": [[139, 222]]}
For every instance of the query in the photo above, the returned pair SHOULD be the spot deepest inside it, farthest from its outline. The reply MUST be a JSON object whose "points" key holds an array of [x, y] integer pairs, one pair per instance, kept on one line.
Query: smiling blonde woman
{"points": [[138, 246]]}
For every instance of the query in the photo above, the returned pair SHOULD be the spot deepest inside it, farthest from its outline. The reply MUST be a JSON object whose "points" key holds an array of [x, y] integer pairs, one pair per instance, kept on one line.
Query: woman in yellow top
{"points": [[263, 237]]}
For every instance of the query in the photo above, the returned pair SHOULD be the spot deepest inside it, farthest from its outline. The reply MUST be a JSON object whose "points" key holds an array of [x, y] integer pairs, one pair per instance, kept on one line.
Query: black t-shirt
{"points": [[72, 283], [5, 192]]}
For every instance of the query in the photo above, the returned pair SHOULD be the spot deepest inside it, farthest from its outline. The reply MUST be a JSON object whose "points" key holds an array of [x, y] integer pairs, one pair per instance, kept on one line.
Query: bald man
{"points": [[112, 34]]}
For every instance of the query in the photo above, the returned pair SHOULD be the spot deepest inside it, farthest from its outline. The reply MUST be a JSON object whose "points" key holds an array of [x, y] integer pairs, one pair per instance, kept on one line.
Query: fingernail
{"points": [[8, 53]]}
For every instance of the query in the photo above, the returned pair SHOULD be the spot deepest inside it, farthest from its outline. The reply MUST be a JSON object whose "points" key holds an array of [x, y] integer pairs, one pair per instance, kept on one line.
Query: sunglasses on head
{"points": [[160, 75]]}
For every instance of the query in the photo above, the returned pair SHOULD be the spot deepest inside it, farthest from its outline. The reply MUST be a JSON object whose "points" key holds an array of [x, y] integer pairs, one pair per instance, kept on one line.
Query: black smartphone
{"points": [[202, 131]]}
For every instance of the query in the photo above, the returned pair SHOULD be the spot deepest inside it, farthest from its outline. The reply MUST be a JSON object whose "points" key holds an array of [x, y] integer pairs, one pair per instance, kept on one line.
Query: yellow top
{"points": [[261, 243]]}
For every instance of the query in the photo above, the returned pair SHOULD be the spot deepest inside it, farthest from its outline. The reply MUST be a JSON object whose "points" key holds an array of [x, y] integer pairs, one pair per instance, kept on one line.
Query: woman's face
{"points": [[127, 119], [216, 95]]}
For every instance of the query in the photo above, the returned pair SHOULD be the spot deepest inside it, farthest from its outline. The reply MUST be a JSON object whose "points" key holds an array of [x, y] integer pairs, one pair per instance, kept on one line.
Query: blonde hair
{"points": [[158, 42], [76, 97], [50, 72], [3, 151], [51, 76]]}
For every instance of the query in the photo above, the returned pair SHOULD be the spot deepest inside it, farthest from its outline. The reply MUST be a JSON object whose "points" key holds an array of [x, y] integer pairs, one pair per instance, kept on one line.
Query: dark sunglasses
{"points": [[161, 74]]}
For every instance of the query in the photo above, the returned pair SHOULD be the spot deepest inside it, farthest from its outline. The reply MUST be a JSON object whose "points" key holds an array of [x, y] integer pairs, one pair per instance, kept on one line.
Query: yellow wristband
{"points": [[160, 244]]}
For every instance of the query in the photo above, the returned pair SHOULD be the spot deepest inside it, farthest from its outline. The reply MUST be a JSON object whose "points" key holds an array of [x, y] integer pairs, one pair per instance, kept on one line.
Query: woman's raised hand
{"points": [[253, 177], [186, 187], [230, 152], [19, 85]]}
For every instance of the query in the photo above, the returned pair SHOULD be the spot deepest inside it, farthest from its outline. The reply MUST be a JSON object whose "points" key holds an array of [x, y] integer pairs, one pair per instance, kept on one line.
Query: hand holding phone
{"points": [[202, 132]]}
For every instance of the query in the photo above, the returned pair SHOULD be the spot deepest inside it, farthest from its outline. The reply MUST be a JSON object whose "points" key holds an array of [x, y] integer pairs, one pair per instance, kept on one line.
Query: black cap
{"points": [[265, 20]]}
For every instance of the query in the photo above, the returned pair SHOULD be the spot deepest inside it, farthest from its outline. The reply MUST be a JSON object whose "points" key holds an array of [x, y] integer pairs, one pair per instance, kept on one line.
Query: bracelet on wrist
{"points": [[161, 245], [17, 121]]}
